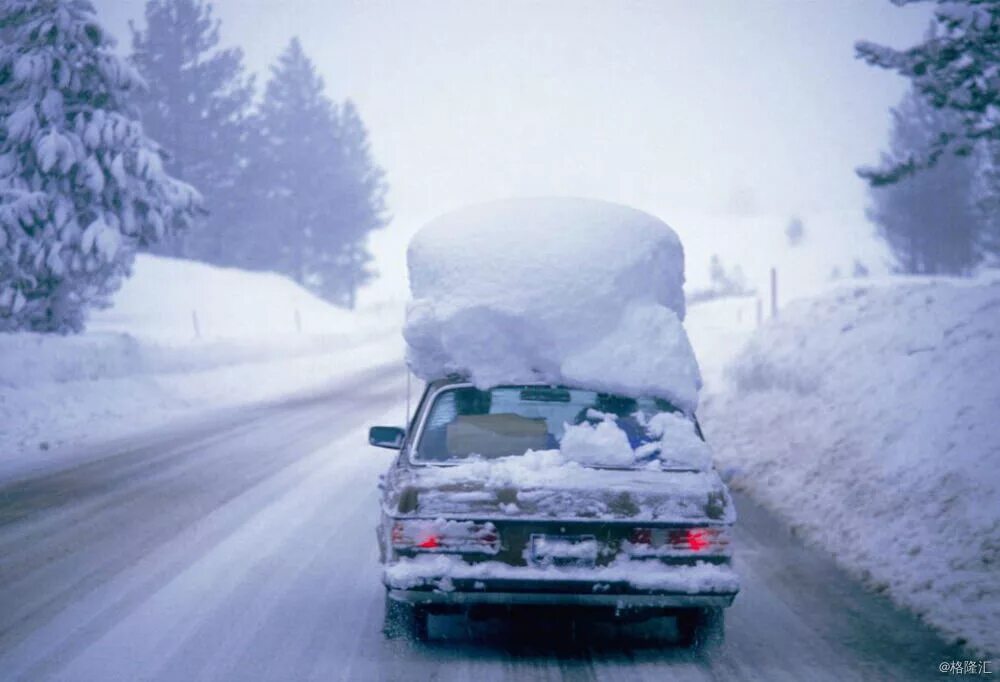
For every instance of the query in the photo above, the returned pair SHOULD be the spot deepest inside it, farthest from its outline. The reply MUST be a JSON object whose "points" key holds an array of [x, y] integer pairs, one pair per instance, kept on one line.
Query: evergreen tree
{"points": [[795, 231], [360, 194], [197, 107], [986, 200], [725, 282], [955, 71], [81, 186], [928, 219], [320, 192]]}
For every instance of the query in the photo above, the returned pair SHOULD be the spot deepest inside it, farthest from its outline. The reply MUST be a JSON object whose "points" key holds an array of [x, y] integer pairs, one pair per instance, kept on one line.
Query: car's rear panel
{"points": [[560, 561]]}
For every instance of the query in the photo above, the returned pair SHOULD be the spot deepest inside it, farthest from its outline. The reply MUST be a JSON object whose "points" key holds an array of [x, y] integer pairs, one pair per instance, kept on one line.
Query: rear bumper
{"points": [[637, 585], [622, 601]]}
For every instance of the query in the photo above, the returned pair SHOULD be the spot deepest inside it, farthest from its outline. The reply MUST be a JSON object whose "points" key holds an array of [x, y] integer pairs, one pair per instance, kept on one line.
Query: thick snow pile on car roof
{"points": [[572, 291]]}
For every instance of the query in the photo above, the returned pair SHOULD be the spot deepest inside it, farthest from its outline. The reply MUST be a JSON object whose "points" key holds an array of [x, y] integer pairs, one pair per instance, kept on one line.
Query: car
{"points": [[480, 510]]}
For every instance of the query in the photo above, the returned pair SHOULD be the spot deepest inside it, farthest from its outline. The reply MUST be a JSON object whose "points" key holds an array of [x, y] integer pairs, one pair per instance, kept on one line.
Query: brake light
{"points": [[430, 543], [460, 537], [696, 540], [677, 541]]}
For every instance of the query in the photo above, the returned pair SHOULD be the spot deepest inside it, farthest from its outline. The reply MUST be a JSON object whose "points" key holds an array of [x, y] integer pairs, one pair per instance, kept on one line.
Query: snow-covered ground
{"points": [[867, 417], [180, 338]]}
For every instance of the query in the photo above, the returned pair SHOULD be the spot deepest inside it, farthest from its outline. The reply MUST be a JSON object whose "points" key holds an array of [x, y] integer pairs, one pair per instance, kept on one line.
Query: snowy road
{"points": [[243, 548]]}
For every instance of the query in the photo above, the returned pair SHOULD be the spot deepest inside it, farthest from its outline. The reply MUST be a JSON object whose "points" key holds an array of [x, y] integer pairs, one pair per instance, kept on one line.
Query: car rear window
{"points": [[465, 422]]}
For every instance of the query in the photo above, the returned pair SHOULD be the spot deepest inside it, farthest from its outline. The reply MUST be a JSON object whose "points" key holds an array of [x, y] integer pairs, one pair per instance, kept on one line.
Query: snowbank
{"points": [[173, 300], [140, 363], [561, 290], [868, 417]]}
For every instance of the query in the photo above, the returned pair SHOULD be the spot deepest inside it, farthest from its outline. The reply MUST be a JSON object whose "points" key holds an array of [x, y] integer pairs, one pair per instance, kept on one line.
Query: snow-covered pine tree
{"points": [[81, 186], [360, 191], [197, 108], [319, 192], [955, 71], [927, 219], [293, 167]]}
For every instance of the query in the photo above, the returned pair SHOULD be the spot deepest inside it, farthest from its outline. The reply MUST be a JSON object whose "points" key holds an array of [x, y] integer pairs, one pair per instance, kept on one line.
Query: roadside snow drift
{"points": [[181, 337], [870, 418], [172, 300], [570, 291]]}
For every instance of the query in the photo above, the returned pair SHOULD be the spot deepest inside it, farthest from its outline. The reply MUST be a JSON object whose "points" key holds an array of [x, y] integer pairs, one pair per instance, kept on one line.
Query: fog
{"points": [[740, 448], [721, 118]]}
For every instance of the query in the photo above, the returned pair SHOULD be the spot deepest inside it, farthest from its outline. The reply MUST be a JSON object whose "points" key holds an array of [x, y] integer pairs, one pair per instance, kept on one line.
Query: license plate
{"points": [[564, 550]]}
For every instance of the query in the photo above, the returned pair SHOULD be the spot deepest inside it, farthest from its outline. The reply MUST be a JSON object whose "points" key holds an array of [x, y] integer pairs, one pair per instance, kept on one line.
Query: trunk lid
{"points": [[570, 493]]}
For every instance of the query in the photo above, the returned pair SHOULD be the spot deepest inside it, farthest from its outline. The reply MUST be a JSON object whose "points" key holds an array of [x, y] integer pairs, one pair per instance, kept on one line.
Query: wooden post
{"points": [[774, 292], [194, 322], [298, 321]]}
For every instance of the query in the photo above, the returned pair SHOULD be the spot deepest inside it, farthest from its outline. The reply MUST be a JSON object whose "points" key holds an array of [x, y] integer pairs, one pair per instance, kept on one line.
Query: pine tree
{"points": [[927, 219], [197, 107], [360, 194], [955, 71], [986, 200], [81, 186], [320, 192], [795, 231]]}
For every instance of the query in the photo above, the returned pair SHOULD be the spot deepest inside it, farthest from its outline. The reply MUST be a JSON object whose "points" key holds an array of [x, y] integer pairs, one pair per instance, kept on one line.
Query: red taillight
{"points": [[697, 541], [677, 541], [460, 537], [430, 543]]}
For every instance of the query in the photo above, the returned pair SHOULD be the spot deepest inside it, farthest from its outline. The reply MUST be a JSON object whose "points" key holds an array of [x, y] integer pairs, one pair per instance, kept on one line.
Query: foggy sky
{"points": [[739, 107]]}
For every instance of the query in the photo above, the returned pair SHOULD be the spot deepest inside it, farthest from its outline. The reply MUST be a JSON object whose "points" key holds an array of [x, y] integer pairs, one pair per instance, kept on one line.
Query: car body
{"points": [[479, 509]]}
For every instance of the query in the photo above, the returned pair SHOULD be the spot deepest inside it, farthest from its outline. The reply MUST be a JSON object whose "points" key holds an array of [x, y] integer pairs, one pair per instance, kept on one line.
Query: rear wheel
{"points": [[702, 628], [403, 619]]}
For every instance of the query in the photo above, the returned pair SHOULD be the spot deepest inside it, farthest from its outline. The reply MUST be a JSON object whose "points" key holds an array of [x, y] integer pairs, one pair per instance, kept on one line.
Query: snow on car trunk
{"points": [[544, 484], [564, 291]]}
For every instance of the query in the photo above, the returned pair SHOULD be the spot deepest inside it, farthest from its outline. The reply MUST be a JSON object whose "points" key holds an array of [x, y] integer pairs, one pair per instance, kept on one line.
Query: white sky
{"points": [[742, 108]]}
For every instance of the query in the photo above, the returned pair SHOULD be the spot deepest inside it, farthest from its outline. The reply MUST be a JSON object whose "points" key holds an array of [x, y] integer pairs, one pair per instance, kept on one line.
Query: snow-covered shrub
{"points": [[80, 185]]}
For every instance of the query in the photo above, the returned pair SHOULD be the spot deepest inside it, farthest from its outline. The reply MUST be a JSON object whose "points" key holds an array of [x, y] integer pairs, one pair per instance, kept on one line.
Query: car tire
{"points": [[702, 628], [404, 620]]}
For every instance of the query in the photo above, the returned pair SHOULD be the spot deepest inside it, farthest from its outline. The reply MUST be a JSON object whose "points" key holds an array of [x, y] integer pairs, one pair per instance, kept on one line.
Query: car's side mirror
{"points": [[386, 437]]}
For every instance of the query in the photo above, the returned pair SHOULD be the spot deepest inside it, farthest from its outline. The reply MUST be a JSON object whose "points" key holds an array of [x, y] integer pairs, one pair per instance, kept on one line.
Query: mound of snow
{"points": [[168, 299], [603, 443], [140, 364], [570, 291], [869, 418]]}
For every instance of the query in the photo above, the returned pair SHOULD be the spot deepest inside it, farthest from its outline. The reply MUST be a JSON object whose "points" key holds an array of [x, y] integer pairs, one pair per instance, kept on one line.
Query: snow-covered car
{"points": [[532, 494], [555, 458]]}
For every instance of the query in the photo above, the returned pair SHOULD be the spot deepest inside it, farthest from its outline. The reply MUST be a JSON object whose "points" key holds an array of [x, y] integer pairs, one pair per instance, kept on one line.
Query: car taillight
{"points": [[460, 537], [677, 541]]}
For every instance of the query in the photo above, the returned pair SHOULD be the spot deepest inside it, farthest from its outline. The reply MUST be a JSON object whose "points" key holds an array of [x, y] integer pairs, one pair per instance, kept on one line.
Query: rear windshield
{"points": [[466, 423]]}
